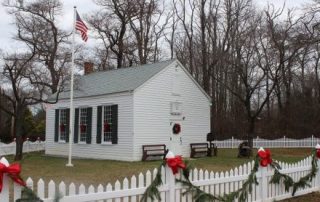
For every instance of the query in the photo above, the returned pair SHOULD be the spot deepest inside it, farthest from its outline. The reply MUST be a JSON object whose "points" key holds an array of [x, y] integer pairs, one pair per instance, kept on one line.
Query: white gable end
{"points": [[153, 109]]}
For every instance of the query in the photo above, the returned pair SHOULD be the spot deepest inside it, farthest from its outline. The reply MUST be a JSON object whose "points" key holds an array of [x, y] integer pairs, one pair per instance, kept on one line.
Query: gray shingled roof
{"points": [[114, 81]]}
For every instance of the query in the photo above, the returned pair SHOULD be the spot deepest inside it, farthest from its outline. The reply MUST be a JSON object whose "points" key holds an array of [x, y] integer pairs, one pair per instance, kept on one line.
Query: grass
{"points": [[36, 165]]}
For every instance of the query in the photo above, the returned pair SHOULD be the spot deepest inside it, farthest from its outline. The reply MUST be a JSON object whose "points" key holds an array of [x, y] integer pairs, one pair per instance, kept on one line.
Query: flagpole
{"points": [[69, 164]]}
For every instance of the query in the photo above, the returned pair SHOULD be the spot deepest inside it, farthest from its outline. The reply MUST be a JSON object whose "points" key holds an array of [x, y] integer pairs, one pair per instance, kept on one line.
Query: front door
{"points": [[176, 137]]}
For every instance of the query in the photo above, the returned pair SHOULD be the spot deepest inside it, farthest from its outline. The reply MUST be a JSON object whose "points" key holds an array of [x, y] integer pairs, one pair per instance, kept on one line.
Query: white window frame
{"points": [[79, 126], [109, 142], [66, 121]]}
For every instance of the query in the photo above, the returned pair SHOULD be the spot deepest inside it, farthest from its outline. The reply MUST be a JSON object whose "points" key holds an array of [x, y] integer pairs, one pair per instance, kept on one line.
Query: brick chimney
{"points": [[88, 68]]}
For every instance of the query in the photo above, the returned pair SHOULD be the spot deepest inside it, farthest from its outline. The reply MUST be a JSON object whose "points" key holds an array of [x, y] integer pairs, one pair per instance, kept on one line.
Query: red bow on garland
{"points": [[318, 151], [265, 157], [175, 163], [13, 172]]}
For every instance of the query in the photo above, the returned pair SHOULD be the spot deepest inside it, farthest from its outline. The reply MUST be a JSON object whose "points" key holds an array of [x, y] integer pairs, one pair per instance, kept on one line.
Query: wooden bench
{"points": [[199, 148], [153, 150]]}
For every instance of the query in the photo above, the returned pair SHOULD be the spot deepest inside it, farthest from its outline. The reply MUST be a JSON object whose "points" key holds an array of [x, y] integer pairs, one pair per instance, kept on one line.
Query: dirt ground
{"points": [[313, 197]]}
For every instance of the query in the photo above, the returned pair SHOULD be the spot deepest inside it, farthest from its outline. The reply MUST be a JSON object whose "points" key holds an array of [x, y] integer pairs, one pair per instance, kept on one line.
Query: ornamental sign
{"points": [[176, 108]]}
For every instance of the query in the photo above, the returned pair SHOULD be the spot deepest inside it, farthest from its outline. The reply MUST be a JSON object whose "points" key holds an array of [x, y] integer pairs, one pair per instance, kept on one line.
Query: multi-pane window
{"points": [[63, 124], [83, 124], [106, 123]]}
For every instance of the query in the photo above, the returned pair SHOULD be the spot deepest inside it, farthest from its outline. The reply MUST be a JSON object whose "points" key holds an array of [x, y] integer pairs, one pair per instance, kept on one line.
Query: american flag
{"points": [[80, 26]]}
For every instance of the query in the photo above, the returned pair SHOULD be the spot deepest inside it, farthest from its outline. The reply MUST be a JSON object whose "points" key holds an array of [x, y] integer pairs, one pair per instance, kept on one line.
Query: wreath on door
{"points": [[176, 129]]}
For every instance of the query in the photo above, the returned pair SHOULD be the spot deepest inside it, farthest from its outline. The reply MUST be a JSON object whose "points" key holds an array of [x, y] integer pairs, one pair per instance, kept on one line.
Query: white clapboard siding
{"points": [[276, 143], [152, 118], [132, 188], [121, 151]]}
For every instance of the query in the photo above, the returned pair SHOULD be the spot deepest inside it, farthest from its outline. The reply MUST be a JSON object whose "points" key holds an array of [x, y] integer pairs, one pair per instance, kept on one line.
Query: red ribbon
{"points": [[13, 172], [175, 163], [83, 128], [106, 127], [318, 153], [62, 128], [265, 157]]}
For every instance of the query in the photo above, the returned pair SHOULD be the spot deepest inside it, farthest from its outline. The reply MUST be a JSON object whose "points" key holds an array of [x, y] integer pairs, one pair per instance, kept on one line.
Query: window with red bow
{"points": [[83, 121], [107, 124], [63, 120]]}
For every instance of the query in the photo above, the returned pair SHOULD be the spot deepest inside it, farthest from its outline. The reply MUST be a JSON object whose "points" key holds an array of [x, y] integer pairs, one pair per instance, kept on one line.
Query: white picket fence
{"points": [[277, 143], [217, 183], [28, 146]]}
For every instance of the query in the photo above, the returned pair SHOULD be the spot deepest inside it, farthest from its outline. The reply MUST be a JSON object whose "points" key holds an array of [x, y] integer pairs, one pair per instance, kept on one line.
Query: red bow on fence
{"points": [[265, 157], [13, 172], [175, 163], [318, 151]]}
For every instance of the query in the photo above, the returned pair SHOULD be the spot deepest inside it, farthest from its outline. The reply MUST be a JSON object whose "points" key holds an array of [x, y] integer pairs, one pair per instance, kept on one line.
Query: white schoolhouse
{"points": [[118, 111]]}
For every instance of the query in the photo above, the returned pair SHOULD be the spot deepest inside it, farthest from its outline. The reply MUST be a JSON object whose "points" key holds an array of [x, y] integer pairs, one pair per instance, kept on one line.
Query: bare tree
{"points": [[19, 72], [37, 29], [111, 24], [148, 28]]}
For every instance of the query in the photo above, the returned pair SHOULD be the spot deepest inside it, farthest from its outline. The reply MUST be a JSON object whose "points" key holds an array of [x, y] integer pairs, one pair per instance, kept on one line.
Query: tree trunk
{"points": [[251, 131], [19, 134]]}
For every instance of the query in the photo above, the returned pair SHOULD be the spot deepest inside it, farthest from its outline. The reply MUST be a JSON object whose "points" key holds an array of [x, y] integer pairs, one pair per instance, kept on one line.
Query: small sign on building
{"points": [[176, 108]]}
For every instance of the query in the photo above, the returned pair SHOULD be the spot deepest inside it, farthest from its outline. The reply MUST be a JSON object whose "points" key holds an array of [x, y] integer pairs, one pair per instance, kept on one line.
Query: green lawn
{"points": [[36, 165]]}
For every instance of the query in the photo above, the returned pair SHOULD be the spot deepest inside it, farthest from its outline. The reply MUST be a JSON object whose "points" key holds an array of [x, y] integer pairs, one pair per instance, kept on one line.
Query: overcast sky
{"points": [[86, 6]]}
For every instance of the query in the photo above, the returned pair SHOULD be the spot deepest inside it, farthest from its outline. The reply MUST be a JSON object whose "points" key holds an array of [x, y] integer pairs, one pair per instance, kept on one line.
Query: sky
{"points": [[87, 6]]}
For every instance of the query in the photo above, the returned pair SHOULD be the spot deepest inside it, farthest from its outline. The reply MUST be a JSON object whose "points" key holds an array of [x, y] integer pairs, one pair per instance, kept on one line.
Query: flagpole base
{"points": [[69, 165]]}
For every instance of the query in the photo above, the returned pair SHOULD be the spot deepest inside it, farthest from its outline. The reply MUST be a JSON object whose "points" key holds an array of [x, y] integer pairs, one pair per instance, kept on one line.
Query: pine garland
{"points": [[288, 181], [305, 181], [28, 195], [197, 193], [152, 191], [247, 187], [241, 194]]}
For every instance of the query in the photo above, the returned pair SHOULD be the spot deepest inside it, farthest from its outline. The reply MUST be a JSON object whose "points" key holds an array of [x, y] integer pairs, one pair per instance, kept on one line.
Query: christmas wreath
{"points": [[263, 159], [176, 129]]}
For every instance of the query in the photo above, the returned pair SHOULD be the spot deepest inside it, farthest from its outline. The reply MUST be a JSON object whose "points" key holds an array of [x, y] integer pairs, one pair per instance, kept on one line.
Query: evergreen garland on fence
{"points": [[288, 181], [242, 194], [27, 195], [197, 193], [152, 191]]}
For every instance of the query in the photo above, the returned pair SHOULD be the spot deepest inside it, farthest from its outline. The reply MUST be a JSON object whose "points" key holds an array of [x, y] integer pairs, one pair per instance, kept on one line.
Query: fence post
{"points": [[312, 141], [4, 195], [318, 175], [264, 184], [232, 141], [284, 141], [257, 142], [171, 182]]}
